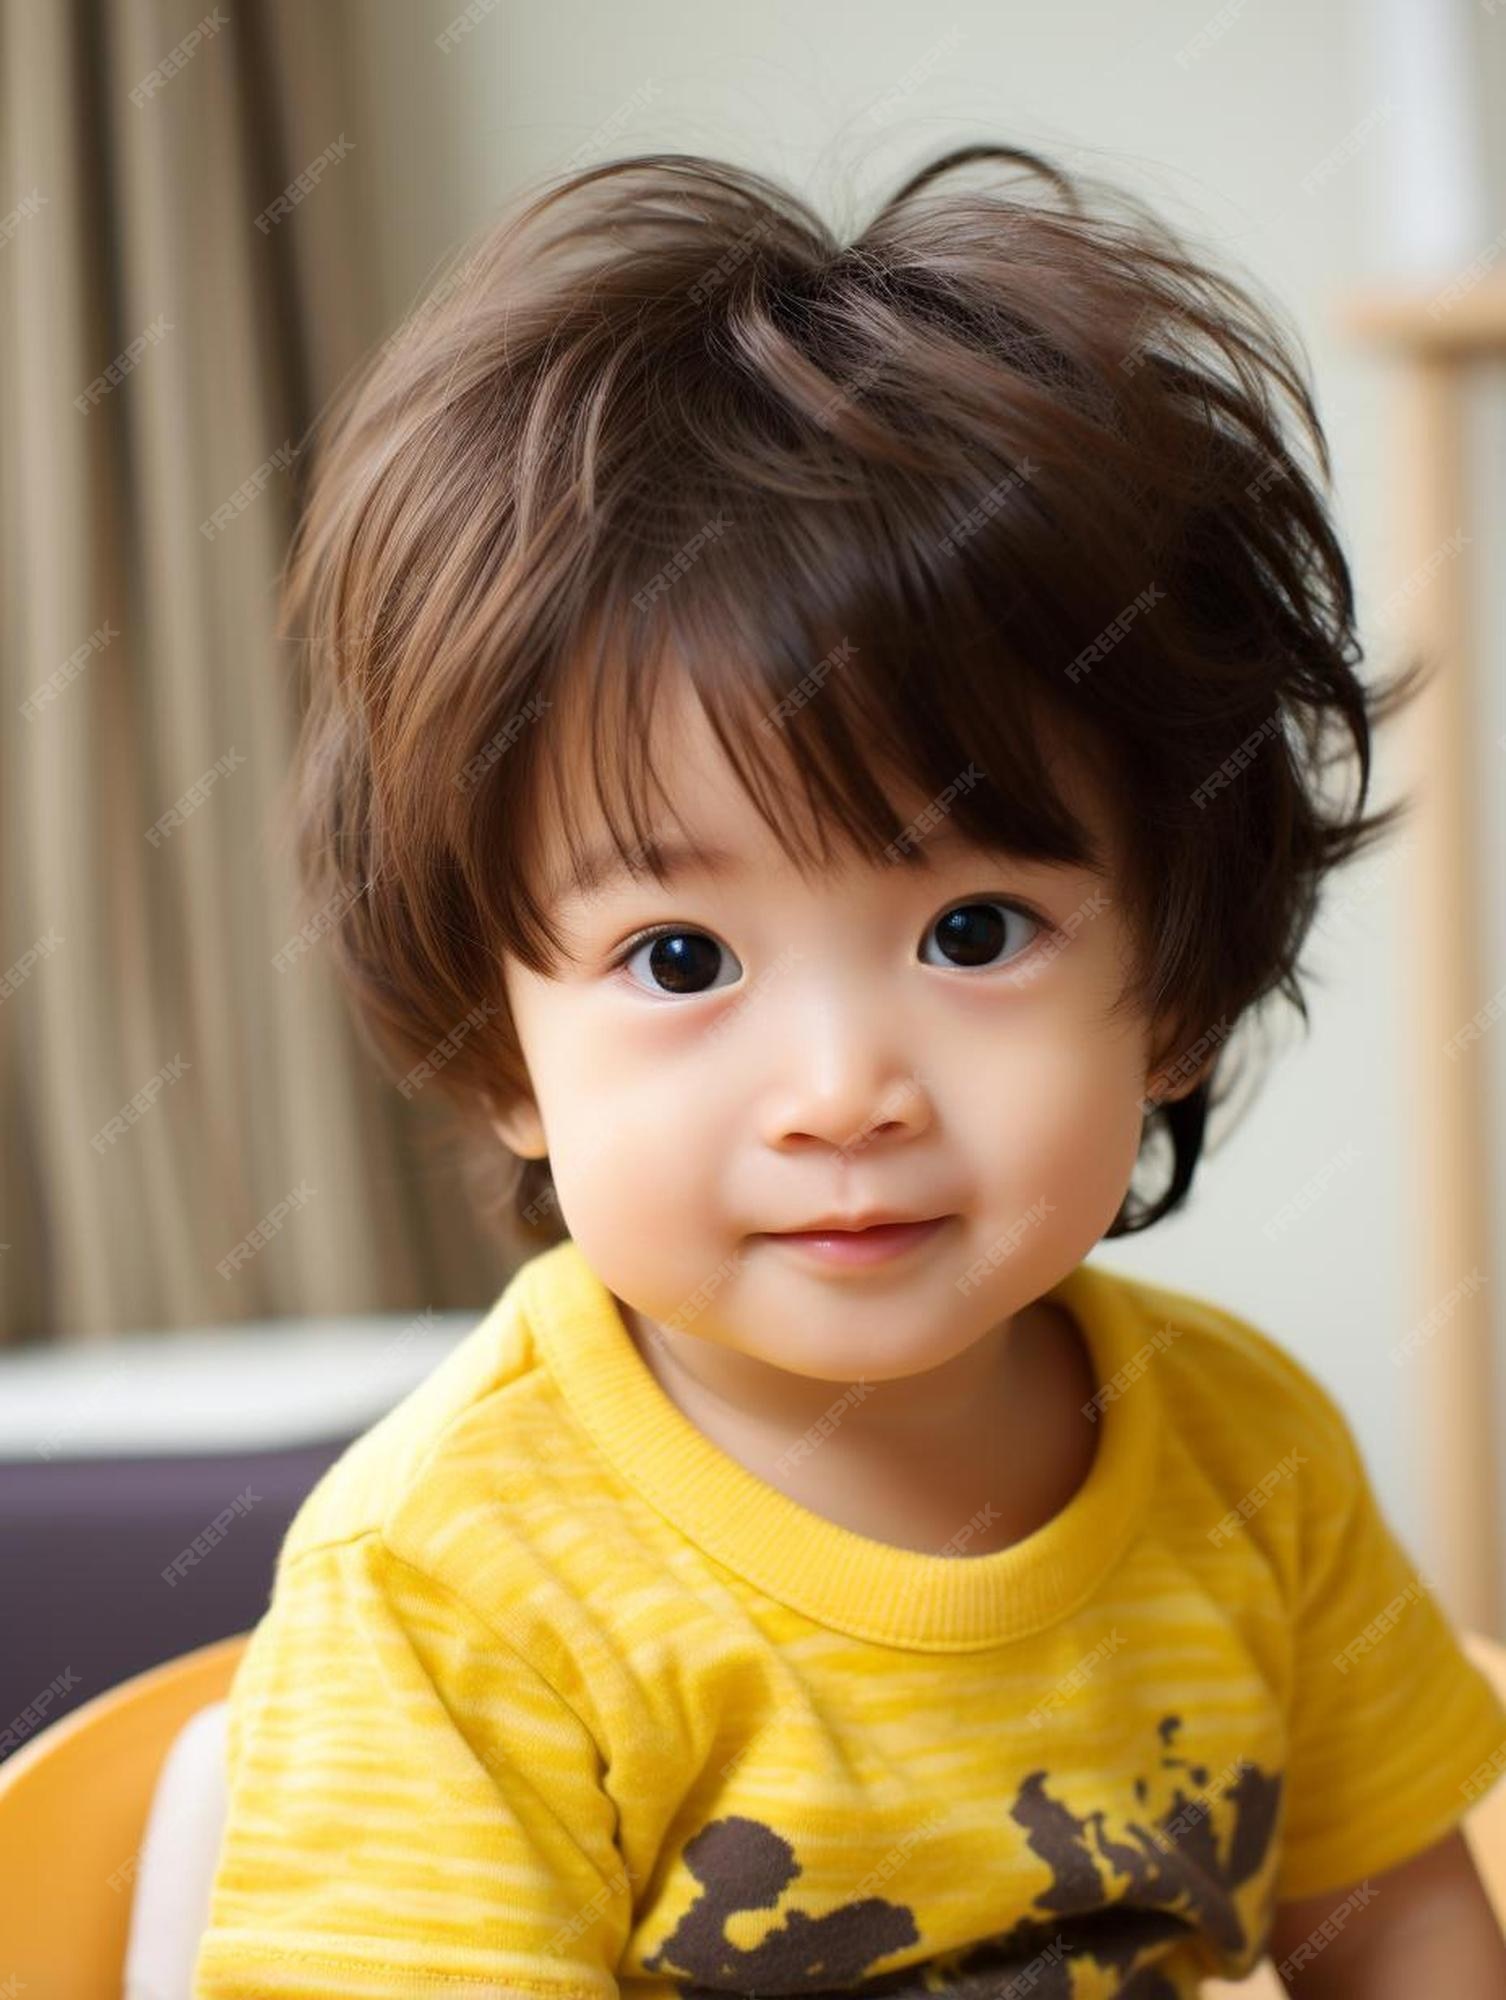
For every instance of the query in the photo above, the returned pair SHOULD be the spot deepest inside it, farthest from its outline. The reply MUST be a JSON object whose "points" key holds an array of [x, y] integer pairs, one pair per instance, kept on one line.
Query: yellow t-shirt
{"points": [[554, 1697]]}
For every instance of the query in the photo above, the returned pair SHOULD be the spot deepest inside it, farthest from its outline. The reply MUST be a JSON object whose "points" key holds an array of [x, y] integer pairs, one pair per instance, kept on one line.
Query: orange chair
{"points": [[73, 1807]]}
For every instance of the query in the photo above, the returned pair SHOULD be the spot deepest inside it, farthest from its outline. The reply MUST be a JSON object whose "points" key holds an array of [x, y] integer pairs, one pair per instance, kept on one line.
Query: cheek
{"points": [[1060, 1119], [635, 1135], [656, 1063]]}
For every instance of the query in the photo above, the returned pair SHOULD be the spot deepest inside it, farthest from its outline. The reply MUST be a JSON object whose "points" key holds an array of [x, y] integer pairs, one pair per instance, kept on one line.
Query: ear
{"points": [[521, 1129], [1159, 1091], [1171, 1080]]}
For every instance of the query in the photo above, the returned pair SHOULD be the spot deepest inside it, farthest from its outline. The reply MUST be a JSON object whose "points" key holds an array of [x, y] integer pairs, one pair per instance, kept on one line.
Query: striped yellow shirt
{"points": [[554, 1697]]}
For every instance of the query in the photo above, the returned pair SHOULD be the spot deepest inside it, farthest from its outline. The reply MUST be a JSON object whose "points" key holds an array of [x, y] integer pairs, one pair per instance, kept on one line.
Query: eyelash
{"points": [[640, 938]]}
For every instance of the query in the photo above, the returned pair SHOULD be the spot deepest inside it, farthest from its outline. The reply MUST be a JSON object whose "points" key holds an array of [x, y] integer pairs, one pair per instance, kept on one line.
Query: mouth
{"points": [[880, 1243]]}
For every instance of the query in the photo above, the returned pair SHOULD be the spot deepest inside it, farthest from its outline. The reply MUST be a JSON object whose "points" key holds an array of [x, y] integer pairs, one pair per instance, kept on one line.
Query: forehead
{"points": [[698, 811]]}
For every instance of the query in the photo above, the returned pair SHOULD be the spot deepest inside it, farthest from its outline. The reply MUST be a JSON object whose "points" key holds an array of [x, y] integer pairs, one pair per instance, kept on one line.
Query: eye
{"points": [[678, 961], [973, 934]]}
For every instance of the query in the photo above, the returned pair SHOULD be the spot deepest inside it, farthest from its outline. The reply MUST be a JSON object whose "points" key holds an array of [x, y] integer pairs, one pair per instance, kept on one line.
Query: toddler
{"points": [[814, 748]]}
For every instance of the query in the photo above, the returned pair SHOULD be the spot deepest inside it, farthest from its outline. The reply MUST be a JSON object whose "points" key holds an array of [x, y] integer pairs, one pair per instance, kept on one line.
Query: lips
{"points": [[850, 1225], [859, 1248]]}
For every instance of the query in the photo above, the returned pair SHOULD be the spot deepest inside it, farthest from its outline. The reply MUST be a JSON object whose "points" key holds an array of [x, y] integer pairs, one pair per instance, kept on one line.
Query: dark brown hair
{"points": [[1011, 468]]}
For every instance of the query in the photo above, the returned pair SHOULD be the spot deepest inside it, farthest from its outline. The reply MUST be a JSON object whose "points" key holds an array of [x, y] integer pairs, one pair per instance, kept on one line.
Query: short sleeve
{"points": [[1395, 1733], [412, 1808]]}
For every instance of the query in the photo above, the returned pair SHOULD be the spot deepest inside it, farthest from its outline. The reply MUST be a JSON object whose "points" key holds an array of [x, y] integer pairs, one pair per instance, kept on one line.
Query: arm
{"points": [[412, 1807], [1394, 1734], [1426, 1926]]}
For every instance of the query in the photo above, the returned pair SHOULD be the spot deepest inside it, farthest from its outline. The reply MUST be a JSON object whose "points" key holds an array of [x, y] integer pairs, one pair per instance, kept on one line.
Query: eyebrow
{"points": [[602, 866]]}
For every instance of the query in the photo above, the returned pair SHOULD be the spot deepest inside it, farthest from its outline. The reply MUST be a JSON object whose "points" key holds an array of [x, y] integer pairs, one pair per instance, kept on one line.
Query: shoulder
{"points": [[1232, 1395], [1209, 1353], [412, 1461], [1204, 1349]]}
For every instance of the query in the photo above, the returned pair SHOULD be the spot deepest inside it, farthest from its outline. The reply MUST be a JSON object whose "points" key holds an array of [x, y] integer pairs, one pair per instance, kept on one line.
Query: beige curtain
{"points": [[190, 1134]]}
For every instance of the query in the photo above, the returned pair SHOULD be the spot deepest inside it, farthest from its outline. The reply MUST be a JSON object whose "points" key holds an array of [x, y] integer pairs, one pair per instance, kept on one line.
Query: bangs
{"points": [[840, 652]]}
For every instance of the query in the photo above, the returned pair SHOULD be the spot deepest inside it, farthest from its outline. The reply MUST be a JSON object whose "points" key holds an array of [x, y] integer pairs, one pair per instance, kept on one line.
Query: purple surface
{"points": [[83, 1546]]}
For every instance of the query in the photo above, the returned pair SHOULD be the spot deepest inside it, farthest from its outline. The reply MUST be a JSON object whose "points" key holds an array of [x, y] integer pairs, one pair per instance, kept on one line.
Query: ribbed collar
{"points": [[843, 1580]]}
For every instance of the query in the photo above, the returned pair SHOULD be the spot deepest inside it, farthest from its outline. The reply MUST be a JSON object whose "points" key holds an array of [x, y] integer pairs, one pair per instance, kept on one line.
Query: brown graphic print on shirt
{"points": [[1113, 1896]]}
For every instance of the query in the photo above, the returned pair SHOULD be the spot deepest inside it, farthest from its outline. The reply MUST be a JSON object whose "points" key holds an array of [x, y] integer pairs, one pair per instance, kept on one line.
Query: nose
{"points": [[845, 1083]]}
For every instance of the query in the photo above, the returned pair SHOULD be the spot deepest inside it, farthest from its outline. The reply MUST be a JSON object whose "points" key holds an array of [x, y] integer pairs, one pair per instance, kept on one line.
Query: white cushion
{"points": [[255, 1385], [175, 1868]]}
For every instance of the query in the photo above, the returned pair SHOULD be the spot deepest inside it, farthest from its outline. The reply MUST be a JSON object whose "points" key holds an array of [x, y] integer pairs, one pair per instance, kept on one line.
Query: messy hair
{"points": [[1011, 469]]}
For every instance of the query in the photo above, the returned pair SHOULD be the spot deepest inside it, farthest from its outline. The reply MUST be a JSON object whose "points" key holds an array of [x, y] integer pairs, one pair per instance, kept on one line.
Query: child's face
{"points": [[819, 1046]]}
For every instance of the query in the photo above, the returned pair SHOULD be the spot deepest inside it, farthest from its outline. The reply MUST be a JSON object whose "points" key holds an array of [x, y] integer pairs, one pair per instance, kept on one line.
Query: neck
{"points": [[995, 1433], [931, 1406]]}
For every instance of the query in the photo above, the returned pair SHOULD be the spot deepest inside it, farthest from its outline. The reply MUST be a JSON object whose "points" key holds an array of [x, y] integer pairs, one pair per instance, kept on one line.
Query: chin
{"points": [[823, 1359]]}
